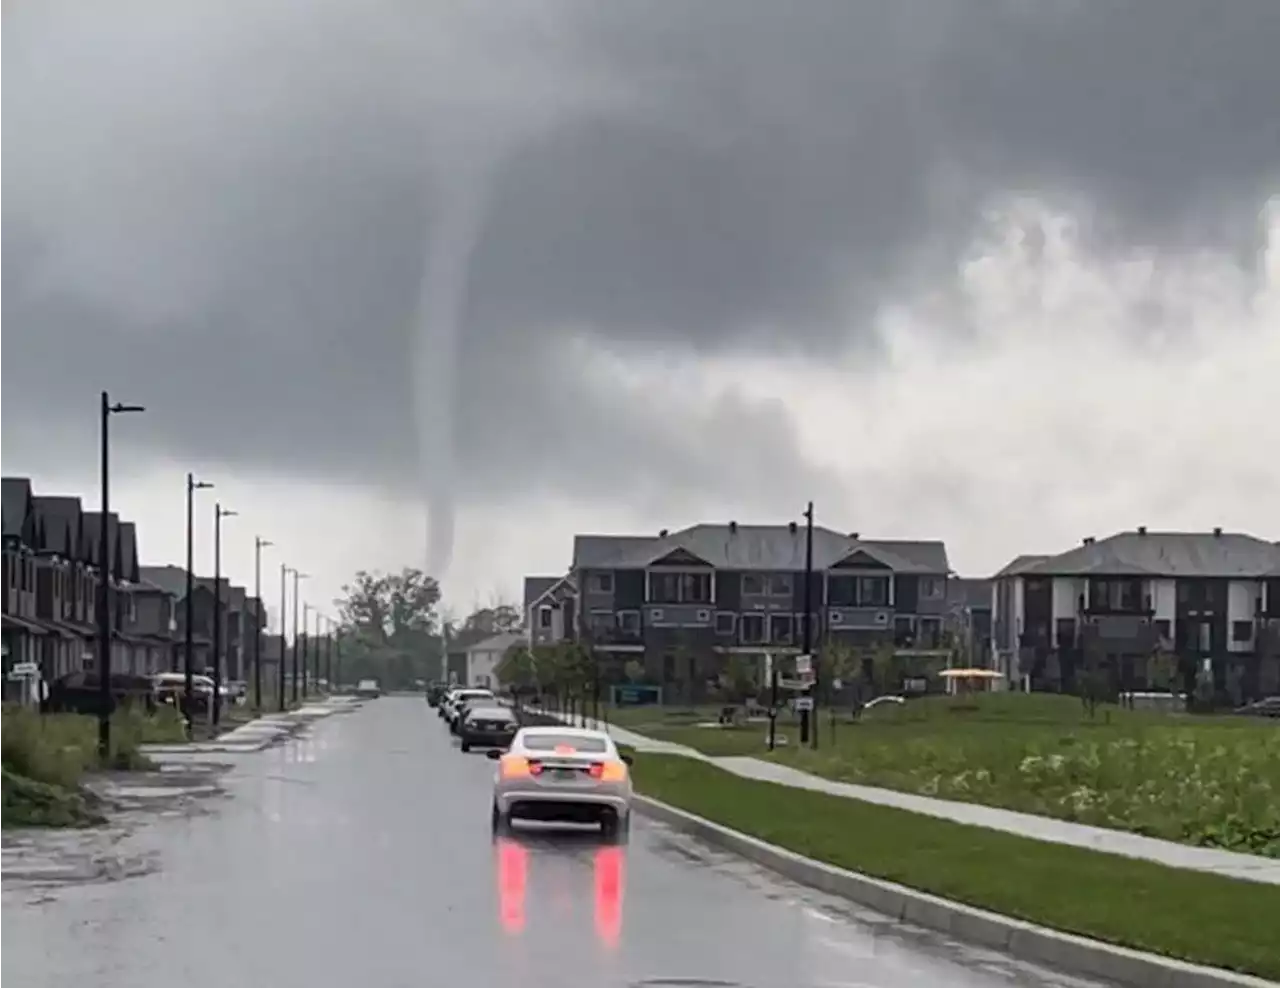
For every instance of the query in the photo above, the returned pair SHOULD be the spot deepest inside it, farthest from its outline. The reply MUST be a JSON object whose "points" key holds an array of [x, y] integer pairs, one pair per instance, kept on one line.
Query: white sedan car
{"points": [[562, 774]]}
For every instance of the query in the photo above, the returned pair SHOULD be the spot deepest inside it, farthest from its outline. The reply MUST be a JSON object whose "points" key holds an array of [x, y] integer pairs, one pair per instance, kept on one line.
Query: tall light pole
{"points": [[328, 654], [259, 543], [106, 410], [188, 692], [337, 651], [297, 575], [219, 512], [306, 643], [808, 618], [284, 604]]}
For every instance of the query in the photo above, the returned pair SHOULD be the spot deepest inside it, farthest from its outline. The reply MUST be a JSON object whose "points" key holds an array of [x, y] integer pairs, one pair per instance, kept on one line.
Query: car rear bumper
{"points": [[542, 804], [488, 739]]}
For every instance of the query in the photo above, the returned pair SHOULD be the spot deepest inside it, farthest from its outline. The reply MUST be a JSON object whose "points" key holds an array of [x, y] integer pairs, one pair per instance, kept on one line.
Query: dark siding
{"points": [[797, 604], [906, 594], [569, 609], [728, 590], [628, 589], [1037, 609], [1273, 597]]}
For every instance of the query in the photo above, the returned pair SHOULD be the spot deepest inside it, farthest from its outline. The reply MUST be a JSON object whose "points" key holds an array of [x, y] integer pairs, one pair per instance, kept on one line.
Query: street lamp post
{"points": [[188, 692], [106, 410], [284, 603], [297, 576], [306, 649], [337, 652], [259, 543], [328, 654], [808, 617], [219, 512]]}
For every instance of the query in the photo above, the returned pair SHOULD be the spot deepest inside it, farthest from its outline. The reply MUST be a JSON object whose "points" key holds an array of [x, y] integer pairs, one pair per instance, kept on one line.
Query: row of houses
{"points": [[678, 602], [53, 570]]}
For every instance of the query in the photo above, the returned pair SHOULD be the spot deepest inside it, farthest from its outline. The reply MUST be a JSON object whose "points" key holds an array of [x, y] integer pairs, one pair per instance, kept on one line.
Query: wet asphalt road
{"points": [[360, 854]]}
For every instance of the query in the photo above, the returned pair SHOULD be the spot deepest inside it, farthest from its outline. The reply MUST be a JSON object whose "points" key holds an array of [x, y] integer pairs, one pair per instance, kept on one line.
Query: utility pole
{"points": [[188, 667], [297, 576], [328, 654], [337, 653], [306, 642], [259, 543], [284, 601], [219, 512], [105, 575], [808, 618]]}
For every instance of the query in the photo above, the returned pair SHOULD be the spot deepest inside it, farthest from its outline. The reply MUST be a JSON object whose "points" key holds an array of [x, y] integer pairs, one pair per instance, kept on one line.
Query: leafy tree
{"points": [[839, 661], [886, 669], [739, 678], [634, 671], [390, 628], [493, 620]]}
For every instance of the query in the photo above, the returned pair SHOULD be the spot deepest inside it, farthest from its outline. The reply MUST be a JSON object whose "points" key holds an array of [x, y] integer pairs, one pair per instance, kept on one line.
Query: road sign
{"points": [[804, 665], [793, 684], [24, 669], [804, 703]]}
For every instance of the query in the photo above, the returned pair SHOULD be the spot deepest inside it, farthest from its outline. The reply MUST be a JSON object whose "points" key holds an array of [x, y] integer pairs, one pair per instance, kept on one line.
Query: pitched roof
{"points": [[756, 547], [968, 592], [171, 579], [92, 522], [535, 587], [59, 520], [128, 535], [500, 642], [15, 505], [1019, 565], [1166, 554]]}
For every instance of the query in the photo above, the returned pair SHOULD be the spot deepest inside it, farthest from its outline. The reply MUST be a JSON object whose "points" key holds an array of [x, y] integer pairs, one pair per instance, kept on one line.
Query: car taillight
{"points": [[609, 771], [514, 766]]}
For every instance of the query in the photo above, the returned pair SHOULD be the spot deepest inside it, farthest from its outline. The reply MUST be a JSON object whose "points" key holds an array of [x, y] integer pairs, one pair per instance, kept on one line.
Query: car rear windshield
{"points": [[550, 742], [489, 713]]}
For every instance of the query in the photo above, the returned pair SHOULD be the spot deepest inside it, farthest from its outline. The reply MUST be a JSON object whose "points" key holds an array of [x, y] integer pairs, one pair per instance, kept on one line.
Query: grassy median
{"points": [[1207, 781], [1197, 917]]}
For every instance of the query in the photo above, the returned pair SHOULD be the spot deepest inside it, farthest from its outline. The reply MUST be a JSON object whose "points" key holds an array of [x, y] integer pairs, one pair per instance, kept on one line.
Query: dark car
{"points": [[487, 727]]}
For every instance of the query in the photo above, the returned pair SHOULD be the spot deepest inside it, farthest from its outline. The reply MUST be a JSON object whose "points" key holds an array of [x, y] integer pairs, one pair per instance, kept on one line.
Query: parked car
{"points": [[465, 700], [368, 689], [485, 726], [80, 693]]}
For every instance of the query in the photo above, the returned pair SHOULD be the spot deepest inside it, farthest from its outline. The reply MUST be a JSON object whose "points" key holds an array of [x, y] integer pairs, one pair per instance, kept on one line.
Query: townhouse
{"points": [[1209, 600], [678, 602]]}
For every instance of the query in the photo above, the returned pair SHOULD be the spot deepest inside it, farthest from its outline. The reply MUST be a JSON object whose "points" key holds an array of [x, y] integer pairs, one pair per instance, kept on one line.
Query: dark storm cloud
{"points": [[223, 210]]}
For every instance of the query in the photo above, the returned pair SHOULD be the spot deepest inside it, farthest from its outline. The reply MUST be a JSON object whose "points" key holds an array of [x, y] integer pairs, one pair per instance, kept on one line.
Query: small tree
{"points": [[886, 669], [633, 670], [517, 671], [738, 679]]}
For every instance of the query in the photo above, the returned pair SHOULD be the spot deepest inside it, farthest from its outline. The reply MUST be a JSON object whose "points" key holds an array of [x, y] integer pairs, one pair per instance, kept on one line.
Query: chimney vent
{"points": [[663, 534], [1142, 529], [1217, 530], [855, 535], [1088, 540], [733, 527], [793, 526]]}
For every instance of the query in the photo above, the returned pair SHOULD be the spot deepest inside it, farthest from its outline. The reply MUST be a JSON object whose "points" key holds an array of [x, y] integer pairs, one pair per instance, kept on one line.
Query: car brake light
{"points": [[513, 766], [608, 771], [565, 749]]}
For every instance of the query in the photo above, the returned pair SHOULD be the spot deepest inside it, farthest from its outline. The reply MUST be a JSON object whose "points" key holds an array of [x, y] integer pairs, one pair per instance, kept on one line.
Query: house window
{"points": [[695, 588], [1204, 636], [1242, 631], [781, 585], [629, 621], [1066, 631], [726, 623], [930, 632], [544, 617], [873, 591], [931, 588], [602, 583], [752, 629], [680, 588], [842, 591], [904, 631], [603, 621], [752, 584], [1164, 629], [664, 588], [782, 628]]}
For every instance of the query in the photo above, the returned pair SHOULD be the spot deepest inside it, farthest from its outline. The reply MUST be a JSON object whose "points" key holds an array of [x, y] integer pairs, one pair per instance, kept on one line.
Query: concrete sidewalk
{"points": [[1231, 864], [258, 733]]}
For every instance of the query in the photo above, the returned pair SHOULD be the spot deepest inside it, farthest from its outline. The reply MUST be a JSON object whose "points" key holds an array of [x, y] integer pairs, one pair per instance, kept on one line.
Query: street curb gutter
{"points": [[1063, 952]]}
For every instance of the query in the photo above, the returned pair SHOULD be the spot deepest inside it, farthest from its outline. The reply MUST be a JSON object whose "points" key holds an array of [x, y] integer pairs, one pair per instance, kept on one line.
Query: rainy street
{"points": [[359, 853]]}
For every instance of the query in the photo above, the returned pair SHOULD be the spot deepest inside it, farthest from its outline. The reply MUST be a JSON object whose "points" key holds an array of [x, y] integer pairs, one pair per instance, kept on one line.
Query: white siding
{"points": [[1164, 600], [1066, 592], [1019, 608], [482, 667], [1241, 598]]}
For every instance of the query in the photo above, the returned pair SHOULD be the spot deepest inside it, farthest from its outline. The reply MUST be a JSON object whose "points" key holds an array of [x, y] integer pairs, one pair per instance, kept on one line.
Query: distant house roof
{"points": [[92, 522], [499, 642], [15, 495], [172, 579], [59, 521], [966, 592], [535, 587], [1166, 554], [1019, 565], [756, 547]]}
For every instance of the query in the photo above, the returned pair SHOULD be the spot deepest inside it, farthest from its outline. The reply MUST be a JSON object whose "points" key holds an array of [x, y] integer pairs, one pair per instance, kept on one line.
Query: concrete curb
{"points": [[1063, 952], [258, 734]]}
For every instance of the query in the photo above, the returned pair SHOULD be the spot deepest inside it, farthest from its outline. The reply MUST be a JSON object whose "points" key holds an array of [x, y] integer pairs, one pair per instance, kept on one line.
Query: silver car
{"points": [[562, 774]]}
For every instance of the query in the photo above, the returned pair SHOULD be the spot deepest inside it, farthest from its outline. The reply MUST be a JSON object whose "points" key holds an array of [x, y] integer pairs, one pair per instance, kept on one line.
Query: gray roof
{"points": [[755, 547], [15, 495], [1167, 554], [92, 521], [172, 580], [499, 642], [1019, 565], [128, 534], [59, 520], [968, 592], [535, 587]]}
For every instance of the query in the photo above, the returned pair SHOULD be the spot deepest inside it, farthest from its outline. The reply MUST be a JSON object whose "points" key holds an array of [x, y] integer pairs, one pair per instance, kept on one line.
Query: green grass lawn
{"points": [[1210, 781], [1197, 917]]}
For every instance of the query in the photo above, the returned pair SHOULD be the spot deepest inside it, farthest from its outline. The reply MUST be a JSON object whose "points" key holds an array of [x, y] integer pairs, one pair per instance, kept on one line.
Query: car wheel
{"points": [[499, 824], [466, 746], [614, 828]]}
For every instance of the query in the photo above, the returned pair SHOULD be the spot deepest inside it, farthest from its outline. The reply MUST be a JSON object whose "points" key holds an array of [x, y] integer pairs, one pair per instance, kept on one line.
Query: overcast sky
{"points": [[989, 271]]}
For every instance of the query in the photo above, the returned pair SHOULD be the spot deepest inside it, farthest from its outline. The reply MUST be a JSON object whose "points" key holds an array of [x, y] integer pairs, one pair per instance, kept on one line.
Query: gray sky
{"points": [[223, 210]]}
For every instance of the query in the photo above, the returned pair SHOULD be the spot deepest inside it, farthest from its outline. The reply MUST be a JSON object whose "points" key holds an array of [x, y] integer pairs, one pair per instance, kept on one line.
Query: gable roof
{"points": [[172, 580], [92, 528], [1166, 554], [536, 587], [59, 519], [755, 547], [15, 505], [1019, 565], [499, 642], [968, 592]]}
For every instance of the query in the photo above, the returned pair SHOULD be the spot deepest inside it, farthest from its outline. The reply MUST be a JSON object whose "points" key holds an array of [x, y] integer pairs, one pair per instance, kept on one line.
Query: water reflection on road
{"points": [[361, 854]]}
